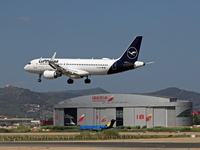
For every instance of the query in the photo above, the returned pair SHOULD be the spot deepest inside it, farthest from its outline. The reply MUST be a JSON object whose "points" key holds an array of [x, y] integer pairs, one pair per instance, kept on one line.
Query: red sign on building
{"points": [[81, 118], [141, 116], [102, 98]]}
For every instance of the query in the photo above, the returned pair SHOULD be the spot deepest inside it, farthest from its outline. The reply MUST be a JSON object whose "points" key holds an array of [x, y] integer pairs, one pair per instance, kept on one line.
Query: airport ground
{"points": [[120, 133], [185, 143]]}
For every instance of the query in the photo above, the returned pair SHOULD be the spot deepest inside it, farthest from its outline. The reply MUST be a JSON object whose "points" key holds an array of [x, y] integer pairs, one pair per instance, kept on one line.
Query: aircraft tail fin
{"points": [[53, 57], [132, 52], [111, 123]]}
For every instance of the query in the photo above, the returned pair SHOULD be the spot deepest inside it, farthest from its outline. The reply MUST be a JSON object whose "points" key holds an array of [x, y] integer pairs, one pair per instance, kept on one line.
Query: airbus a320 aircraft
{"points": [[52, 68], [98, 128]]}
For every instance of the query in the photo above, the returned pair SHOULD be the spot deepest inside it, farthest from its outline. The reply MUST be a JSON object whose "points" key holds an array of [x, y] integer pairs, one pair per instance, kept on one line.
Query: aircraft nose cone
{"points": [[26, 68]]}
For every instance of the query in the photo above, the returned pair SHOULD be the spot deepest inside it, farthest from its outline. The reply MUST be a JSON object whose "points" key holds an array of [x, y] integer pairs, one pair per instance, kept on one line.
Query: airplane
{"points": [[71, 123], [52, 68], [98, 128]]}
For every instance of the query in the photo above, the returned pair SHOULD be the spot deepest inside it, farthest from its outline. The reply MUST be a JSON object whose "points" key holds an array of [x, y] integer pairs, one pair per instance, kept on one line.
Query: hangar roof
{"points": [[120, 100], [117, 98]]}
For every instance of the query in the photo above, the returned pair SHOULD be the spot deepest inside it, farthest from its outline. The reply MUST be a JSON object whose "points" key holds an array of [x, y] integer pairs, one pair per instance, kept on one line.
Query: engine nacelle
{"points": [[138, 64], [51, 74]]}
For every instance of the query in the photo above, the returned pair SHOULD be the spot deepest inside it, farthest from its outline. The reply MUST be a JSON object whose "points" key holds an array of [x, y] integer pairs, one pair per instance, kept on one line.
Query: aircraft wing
{"points": [[91, 128], [68, 70], [96, 129], [100, 128]]}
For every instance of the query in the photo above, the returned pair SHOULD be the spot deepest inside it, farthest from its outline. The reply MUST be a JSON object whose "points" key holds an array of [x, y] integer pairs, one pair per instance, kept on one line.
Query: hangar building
{"points": [[127, 109]]}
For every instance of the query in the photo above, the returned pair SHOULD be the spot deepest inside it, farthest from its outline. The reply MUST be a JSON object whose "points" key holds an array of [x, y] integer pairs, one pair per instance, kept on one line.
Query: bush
{"points": [[195, 129], [158, 127], [144, 127], [85, 134], [129, 127], [137, 127], [134, 127], [111, 132], [105, 133], [55, 127], [163, 129], [23, 129], [4, 131]]}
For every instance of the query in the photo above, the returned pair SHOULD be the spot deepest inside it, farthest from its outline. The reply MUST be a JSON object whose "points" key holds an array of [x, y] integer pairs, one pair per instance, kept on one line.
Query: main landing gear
{"points": [[71, 81], [39, 80], [87, 81]]}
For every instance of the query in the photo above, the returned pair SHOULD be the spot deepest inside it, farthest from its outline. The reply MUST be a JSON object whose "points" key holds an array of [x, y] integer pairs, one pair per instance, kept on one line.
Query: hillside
{"points": [[182, 95], [19, 102], [75, 93]]}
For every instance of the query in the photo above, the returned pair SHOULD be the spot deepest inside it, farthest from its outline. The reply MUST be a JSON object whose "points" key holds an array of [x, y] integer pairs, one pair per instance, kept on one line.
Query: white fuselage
{"points": [[93, 66]]}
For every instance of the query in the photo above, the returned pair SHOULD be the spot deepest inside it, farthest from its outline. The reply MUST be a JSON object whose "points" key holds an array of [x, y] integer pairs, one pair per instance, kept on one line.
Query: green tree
{"points": [[196, 120]]}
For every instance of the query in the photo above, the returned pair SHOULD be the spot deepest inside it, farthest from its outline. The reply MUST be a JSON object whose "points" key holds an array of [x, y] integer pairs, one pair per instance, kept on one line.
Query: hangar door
{"points": [[102, 116], [85, 116], [70, 116], [159, 116], [99, 116], [140, 116]]}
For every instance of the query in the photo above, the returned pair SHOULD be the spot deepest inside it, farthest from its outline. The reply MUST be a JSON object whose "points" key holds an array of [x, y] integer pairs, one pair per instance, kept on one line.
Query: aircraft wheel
{"points": [[70, 81], [39, 80], [87, 81]]}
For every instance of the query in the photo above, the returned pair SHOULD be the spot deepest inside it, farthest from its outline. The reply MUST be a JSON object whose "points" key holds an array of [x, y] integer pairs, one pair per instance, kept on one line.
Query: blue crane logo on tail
{"points": [[132, 53]]}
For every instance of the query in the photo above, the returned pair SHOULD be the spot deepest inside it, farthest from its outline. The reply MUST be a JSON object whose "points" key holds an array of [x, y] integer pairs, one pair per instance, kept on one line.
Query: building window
{"points": [[119, 116], [185, 113]]}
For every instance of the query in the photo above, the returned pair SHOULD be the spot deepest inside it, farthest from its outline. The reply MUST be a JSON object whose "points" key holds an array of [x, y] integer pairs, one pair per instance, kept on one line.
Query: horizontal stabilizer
{"points": [[127, 64], [149, 63]]}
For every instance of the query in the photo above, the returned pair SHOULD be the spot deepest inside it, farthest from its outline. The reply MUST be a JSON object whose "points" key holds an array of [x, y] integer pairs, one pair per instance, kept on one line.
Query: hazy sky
{"points": [[32, 29]]}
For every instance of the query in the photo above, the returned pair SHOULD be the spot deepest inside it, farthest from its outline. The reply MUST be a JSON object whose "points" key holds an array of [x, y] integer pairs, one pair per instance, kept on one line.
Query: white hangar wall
{"points": [[127, 109]]}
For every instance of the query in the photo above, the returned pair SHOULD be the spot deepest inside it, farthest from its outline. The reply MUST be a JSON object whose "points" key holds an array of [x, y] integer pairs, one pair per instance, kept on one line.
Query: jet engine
{"points": [[51, 74]]}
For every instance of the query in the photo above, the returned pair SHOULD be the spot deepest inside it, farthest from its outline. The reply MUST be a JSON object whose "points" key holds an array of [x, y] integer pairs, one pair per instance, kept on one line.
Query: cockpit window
{"points": [[29, 63]]}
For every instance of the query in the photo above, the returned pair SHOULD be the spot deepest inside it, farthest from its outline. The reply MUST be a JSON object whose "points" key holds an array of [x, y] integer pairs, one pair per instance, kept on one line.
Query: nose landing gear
{"points": [[39, 80]]}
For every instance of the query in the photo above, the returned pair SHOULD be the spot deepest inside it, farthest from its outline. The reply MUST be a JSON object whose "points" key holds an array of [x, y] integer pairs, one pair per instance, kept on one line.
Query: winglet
{"points": [[53, 57]]}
